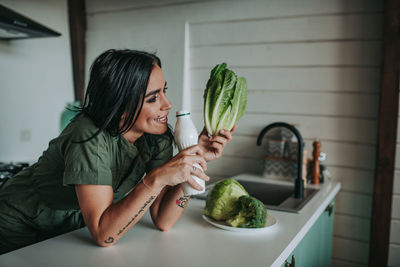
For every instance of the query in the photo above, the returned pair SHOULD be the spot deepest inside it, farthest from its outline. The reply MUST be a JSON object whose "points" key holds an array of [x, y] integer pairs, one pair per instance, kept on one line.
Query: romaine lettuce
{"points": [[225, 99]]}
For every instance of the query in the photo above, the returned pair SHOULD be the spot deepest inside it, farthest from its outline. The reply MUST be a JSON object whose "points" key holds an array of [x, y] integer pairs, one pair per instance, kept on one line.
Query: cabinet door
{"points": [[315, 248]]}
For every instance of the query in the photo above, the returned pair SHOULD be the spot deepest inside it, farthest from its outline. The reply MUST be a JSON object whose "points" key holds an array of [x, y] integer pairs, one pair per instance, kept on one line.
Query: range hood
{"points": [[17, 26]]}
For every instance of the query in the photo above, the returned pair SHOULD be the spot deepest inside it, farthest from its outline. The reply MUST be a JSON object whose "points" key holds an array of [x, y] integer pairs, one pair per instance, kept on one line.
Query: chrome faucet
{"points": [[298, 183]]}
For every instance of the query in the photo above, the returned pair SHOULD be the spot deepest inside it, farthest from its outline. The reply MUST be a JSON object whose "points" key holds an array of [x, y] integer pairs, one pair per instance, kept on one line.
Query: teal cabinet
{"points": [[315, 249]]}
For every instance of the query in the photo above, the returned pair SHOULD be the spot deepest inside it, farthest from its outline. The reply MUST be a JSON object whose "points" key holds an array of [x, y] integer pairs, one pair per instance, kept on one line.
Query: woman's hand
{"points": [[213, 146], [180, 169]]}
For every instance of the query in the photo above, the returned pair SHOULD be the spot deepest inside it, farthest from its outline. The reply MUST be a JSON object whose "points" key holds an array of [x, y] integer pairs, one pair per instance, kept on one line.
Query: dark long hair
{"points": [[117, 86]]}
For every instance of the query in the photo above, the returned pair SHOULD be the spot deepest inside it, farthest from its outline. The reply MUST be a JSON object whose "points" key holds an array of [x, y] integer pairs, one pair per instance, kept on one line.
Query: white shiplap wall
{"points": [[394, 245], [315, 64], [319, 71]]}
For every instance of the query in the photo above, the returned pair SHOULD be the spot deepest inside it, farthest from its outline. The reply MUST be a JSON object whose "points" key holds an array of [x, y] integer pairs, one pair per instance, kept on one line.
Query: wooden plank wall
{"points": [[319, 71]]}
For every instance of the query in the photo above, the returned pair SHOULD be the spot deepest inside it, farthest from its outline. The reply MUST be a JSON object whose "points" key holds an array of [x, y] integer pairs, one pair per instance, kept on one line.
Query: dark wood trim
{"points": [[387, 132], [77, 29]]}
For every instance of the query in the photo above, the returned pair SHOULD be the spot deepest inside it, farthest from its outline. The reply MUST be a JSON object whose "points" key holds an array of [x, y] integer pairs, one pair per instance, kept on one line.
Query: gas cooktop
{"points": [[8, 170]]}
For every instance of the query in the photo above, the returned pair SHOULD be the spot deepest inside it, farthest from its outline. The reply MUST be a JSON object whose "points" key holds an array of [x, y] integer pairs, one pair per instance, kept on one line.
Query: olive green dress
{"points": [[40, 201]]}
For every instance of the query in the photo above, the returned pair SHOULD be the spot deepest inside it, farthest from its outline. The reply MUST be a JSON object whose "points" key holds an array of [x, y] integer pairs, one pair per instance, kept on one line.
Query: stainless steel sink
{"points": [[278, 196], [275, 196]]}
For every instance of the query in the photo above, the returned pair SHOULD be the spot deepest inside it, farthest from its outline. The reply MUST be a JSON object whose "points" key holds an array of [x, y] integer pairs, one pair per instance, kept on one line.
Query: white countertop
{"points": [[191, 242]]}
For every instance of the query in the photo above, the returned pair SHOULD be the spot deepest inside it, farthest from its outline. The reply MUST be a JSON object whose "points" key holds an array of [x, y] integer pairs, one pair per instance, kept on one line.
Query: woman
{"points": [[110, 164]]}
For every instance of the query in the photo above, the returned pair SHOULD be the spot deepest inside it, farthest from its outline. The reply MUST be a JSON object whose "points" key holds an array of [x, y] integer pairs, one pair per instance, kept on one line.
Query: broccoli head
{"points": [[249, 213]]}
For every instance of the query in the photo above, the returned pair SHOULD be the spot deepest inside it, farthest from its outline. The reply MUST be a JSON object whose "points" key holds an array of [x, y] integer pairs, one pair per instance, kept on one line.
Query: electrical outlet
{"points": [[25, 135]]}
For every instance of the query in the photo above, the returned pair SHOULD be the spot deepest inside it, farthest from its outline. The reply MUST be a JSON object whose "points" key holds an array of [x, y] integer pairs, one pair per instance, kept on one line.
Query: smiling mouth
{"points": [[163, 119]]}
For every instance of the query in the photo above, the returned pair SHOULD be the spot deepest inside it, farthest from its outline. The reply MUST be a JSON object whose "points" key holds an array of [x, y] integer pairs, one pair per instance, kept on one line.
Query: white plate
{"points": [[271, 221]]}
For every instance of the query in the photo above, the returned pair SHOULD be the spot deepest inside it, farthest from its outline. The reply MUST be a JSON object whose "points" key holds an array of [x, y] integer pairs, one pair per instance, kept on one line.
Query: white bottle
{"points": [[185, 136]]}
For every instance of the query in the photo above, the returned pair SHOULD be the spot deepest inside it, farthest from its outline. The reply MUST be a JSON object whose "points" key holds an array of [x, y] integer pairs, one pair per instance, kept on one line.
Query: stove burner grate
{"points": [[8, 170]]}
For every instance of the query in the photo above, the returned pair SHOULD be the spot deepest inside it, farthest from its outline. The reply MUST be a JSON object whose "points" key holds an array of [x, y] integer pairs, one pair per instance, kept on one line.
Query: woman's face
{"points": [[153, 116]]}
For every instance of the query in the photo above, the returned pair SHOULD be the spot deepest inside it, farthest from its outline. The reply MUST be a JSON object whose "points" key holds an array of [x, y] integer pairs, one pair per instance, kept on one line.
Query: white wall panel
{"points": [[305, 103], [396, 182], [394, 255], [227, 166], [352, 227], [394, 247], [345, 263], [397, 161], [395, 232], [354, 204], [311, 127], [341, 154], [396, 207], [284, 29], [350, 250], [214, 10], [354, 180], [317, 79], [100, 6], [352, 53]]}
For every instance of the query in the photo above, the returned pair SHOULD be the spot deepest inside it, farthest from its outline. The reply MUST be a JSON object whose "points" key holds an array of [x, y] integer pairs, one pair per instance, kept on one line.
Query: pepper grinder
{"points": [[315, 172]]}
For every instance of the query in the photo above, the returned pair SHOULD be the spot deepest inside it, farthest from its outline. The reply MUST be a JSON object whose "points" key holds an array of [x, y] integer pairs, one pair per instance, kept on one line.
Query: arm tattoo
{"points": [[182, 201], [137, 214], [111, 239]]}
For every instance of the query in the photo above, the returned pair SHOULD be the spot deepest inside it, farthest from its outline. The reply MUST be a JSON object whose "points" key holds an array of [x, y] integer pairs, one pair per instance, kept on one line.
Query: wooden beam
{"points": [[387, 132], [77, 29]]}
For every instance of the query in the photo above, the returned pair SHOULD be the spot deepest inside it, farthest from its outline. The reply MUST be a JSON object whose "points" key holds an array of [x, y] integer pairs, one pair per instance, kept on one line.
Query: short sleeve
{"points": [[87, 162], [161, 154]]}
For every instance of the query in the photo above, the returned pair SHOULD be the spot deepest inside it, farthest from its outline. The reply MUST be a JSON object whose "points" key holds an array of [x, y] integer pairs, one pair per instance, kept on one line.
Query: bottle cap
{"points": [[181, 113]]}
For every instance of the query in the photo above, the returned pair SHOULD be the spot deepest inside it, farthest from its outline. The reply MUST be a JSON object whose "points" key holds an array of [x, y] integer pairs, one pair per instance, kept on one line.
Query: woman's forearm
{"points": [[169, 207], [112, 220]]}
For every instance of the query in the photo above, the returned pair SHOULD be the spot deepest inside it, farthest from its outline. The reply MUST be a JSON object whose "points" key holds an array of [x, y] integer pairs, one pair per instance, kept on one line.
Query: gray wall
{"points": [[35, 82]]}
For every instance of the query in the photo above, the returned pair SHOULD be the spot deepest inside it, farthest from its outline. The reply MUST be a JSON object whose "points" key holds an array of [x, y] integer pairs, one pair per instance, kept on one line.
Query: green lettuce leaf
{"points": [[225, 99]]}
